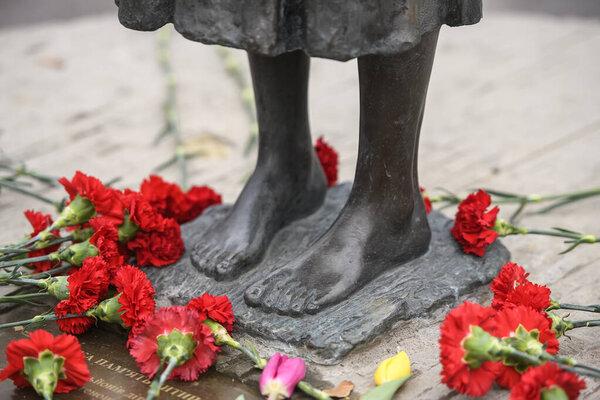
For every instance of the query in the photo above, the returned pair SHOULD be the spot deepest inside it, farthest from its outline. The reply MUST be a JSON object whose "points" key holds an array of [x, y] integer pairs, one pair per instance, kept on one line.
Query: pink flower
{"points": [[280, 376]]}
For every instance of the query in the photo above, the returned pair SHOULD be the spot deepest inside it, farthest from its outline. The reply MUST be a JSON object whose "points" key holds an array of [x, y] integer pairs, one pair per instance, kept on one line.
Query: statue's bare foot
{"points": [[362, 243], [271, 199]]}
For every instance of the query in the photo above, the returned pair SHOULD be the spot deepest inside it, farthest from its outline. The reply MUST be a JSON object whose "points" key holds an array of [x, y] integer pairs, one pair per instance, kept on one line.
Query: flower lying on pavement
{"points": [[280, 376], [49, 364]]}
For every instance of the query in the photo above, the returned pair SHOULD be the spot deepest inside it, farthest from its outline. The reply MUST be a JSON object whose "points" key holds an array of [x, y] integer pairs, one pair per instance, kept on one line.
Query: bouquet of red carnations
{"points": [[513, 343]]}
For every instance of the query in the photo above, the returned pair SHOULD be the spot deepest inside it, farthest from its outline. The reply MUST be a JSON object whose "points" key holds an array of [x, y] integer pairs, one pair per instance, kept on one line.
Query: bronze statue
{"points": [[383, 222]]}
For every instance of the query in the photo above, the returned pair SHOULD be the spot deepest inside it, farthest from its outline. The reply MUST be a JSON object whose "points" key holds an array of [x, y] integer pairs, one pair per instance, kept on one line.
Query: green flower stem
{"points": [[75, 254], [7, 299], [595, 308], [23, 299], [21, 281], [591, 370], [50, 272], [12, 186], [504, 228], [24, 261], [40, 319], [585, 323], [24, 171], [553, 233], [222, 338], [563, 362], [312, 391], [157, 383], [39, 245], [261, 363], [170, 109]]}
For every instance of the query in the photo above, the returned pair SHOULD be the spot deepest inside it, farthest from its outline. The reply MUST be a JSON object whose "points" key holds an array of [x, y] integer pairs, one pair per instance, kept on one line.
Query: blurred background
{"points": [[513, 104]]}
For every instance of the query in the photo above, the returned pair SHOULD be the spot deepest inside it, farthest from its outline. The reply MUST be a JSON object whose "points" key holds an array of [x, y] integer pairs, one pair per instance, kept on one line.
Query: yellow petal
{"points": [[392, 368]]}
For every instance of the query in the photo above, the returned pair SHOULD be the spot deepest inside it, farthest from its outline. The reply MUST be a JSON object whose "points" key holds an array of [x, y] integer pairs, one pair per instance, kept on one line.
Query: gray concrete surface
{"points": [[514, 104]]}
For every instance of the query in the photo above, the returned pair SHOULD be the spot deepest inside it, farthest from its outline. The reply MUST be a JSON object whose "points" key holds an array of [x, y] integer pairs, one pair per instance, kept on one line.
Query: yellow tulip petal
{"points": [[392, 368]]}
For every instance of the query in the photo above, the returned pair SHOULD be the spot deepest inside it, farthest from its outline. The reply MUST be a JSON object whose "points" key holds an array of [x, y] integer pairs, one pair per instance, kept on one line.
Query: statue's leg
{"points": [[383, 223], [288, 182]]}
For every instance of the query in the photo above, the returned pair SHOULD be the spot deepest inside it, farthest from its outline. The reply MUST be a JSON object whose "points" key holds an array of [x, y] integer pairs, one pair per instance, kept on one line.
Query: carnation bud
{"points": [[44, 372], [176, 346], [76, 253], [555, 393], [480, 347], [504, 228], [526, 342], [559, 325], [57, 286], [108, 311], [128, 229], [82, 234], [392, 368], [79, 211], [219, 332]]}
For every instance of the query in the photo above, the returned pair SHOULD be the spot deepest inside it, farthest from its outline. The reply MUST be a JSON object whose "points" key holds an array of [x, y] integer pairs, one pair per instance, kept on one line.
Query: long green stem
{"points": [[9, 185], [170, 109], [157, 383], [24, 171], [563, 362], [22, 299], [595, 308], [50, 272], [39, 318], [40, 245], [20, 281], [261, 362], [23, 261], [585, 323], [572, 363], [553, 233]]}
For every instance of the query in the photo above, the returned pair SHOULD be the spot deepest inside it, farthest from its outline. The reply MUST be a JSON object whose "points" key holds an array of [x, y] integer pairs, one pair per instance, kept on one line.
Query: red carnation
{"points": [[166, 198], [508, 320], [87, 286], [217, 308], [456, 373], [529, 294], [473, 225], [160, 247], [136, 296], [510, 276], [171, 202], [106, 239], [74, 325], [75, 370], [545, 378], [105, 200], [426, 200], [39, 222], [328, 158], [198, 198], [144, 345], [141, 211]]}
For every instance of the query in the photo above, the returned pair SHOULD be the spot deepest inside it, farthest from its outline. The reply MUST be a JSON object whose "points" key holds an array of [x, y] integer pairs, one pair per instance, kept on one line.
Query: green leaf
{"points": [[240, 397], [385, 391]]}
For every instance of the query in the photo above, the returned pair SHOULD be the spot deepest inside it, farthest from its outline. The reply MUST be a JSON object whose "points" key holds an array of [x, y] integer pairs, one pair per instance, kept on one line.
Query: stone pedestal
{"points": [[409, 290]]}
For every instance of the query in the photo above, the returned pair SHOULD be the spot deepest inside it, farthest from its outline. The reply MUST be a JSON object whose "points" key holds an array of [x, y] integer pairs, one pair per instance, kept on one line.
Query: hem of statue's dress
{"points": [[334, 29]]}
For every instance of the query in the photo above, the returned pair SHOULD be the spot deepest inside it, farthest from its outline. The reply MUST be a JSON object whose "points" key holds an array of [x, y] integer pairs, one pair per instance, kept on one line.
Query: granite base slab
{"points": [[409, 290]]}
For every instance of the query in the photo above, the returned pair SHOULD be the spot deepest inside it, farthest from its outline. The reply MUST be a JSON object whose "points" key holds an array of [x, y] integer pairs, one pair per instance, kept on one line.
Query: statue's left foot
{"points": [[360, 245]]}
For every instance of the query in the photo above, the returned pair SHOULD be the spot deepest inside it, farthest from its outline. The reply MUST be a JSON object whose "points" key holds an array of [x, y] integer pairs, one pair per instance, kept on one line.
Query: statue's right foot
{"points": [[272, 198]]}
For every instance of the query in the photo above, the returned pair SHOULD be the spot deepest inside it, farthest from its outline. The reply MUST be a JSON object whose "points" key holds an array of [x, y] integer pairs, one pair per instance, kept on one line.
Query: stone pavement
{"points": [[514, 104]]}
